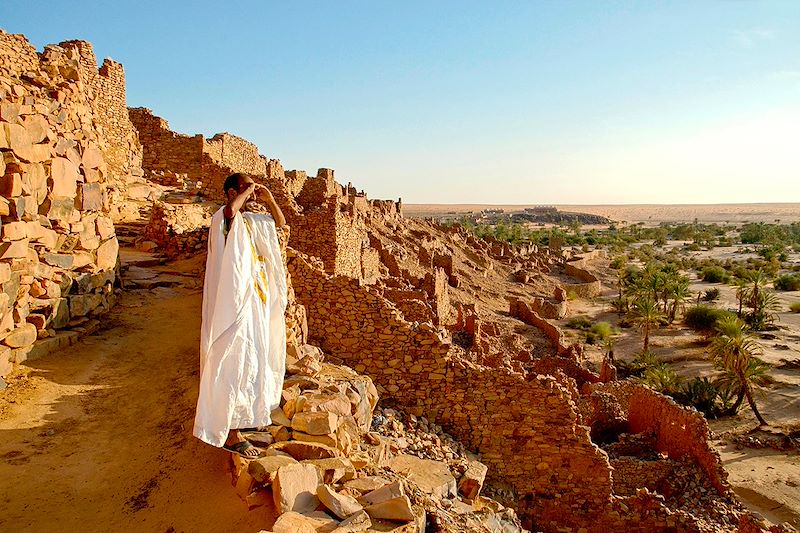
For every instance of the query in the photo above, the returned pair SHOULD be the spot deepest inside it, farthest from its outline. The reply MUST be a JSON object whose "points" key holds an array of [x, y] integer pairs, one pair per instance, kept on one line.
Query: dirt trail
{"points": [[98, 438]]}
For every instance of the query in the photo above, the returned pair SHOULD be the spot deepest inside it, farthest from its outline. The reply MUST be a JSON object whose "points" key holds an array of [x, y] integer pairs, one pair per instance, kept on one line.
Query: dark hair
{"points": [[232, 182]]}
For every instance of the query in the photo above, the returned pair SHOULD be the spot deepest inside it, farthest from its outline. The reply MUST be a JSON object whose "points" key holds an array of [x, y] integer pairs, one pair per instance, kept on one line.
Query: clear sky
{"points": [[473, 102]]}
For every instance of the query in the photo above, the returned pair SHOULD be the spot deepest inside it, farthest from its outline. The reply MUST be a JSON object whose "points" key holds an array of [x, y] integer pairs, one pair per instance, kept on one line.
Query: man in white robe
{"points": [[243, 335]]}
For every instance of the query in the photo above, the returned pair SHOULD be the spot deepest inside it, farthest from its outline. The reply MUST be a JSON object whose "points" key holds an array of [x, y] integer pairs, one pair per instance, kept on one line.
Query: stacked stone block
{"points": [[58, 248]]}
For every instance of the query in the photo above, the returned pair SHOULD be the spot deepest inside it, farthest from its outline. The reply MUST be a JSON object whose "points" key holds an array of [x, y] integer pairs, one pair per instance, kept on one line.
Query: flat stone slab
{"points": [[432, 477]]}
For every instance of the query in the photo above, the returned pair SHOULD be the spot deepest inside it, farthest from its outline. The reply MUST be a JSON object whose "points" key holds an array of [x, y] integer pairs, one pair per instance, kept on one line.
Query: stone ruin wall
{"points": [[171, 158], [58, 249], [527, 432], [679, 432], [591, 283]]}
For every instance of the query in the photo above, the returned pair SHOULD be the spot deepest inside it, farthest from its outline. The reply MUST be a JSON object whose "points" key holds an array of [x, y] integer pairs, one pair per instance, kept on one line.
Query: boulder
{"points": [[341, 505], [311, 522], [432, 477], [303, 451], [264, 469], [294, 488], [395, 509], [318, 423], [471, 482], [355, 523], [21, 337]]}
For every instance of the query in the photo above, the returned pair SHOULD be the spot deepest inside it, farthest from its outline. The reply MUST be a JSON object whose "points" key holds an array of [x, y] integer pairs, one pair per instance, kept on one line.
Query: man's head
{"points": [[236, 184]]}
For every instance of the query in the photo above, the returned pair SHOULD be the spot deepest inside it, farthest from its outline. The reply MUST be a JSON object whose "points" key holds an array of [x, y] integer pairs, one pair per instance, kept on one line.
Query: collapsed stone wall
{"points": [[591, 284], [679, 432], [527, 432], [58, 249], [203, 163]]}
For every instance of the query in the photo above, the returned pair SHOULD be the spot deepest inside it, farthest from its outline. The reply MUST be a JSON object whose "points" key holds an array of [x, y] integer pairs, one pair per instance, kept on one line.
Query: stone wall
{"points": [[58, 249], [679, 431], [527, 432], [591, 284], [204, 163]]}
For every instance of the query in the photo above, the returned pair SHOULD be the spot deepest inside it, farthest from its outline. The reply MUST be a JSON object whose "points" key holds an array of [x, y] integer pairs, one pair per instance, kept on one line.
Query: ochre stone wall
{"points": [[527, 432], [205, 163], [58, 249]]}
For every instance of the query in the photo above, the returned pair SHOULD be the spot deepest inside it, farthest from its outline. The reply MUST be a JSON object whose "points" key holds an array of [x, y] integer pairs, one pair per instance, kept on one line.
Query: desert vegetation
{"points": [[681, 278]]}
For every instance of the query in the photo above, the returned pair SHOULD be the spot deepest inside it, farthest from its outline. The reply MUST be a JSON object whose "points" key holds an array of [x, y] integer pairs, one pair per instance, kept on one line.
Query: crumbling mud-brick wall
{"points": [[58, 248]]}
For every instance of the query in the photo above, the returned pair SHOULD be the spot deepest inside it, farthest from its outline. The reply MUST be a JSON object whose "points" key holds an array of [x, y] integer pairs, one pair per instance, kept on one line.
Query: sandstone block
{"points": [[327, 440], [263, 469], [61, 208], [105, 228], [14, 231], [83, 304], [341, 505], [432, 477], [303, 451], [366, 484], [5, 272], [14, 249], [395, 509], [5, 361], [294, 488], [90, 197], [21, 337], [107, 254], [471, 482], [64, 174], [318, 423], [37, 128], [311, 522], [279, 418], [92, 157], [355, 523], [334, 470], [9, 112], [58, 260], [11, 185], [385, 493]]}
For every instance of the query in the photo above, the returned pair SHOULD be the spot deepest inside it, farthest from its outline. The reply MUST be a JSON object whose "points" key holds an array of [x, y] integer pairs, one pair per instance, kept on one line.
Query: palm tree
{"points": [[741, 294], [679, 293], [646, 314], [735, 352]]}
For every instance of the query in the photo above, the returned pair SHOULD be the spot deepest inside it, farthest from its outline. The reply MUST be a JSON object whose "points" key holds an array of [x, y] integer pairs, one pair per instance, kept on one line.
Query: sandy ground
{"points": [[647, 213], [98, 438]]}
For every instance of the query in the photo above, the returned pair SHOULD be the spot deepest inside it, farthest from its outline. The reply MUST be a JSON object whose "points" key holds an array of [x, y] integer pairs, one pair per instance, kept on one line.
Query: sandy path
{"points": [[98, 438]]}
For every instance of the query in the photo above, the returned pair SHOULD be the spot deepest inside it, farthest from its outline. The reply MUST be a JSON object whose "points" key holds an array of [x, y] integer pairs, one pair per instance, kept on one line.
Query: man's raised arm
{"points": [[277, 214]]}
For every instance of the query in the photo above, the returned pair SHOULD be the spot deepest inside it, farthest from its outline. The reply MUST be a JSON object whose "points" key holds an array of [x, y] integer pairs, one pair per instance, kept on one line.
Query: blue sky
{"points": [[473, 102]]}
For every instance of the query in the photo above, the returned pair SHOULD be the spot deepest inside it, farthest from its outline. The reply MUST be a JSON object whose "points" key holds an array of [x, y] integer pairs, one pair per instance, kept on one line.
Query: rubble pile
{"points": [[332, 461]]}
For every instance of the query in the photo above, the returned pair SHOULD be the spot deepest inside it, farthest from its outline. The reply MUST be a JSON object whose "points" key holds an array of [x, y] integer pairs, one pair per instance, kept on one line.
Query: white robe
{"points": [[243, 334]]}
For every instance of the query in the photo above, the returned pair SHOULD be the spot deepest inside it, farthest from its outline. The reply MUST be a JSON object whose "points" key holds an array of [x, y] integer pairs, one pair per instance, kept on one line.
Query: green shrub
{"points": [[701, 394], [582, 322], [788, 282], [703, 318], [711, 294], [618, 262], [795, 307], [602, 330], [714, 274]]}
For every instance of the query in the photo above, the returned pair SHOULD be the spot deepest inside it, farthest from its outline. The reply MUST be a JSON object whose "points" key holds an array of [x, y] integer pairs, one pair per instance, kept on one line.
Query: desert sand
{"points": [[647, 213], [99, 438]]}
